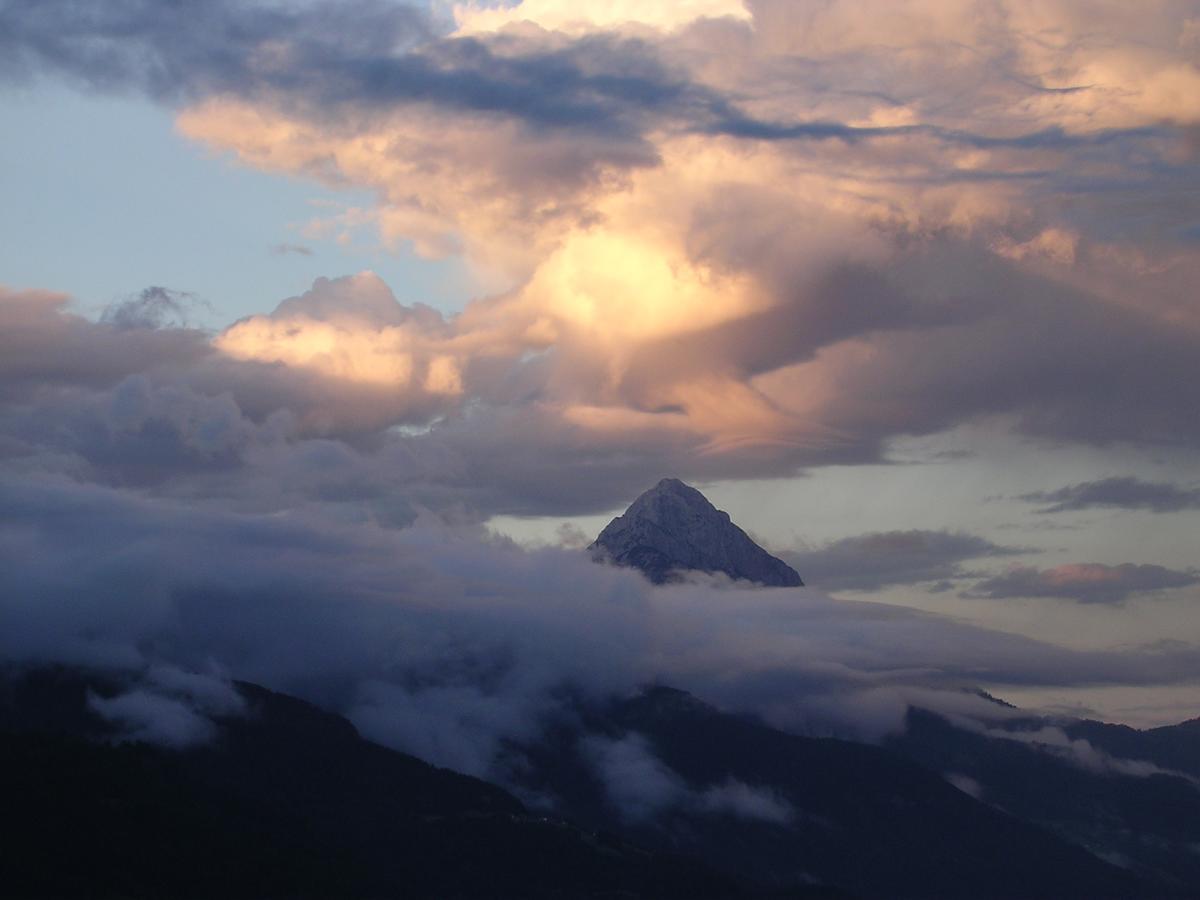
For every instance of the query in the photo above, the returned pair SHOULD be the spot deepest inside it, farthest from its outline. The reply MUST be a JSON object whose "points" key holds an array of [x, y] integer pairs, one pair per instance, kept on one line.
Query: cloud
{"points": [[738, 799], [637, 783], [169, 706], [725, 241], [154, 307], [1084, 582], [150, 45], [642, 788], [357, 360], [143, 716], [1079, 751], [296, 249], [583, 17], [41, 344], [966, 784], [352, 330], [869, 562], [452, 644], [1117, 493]]}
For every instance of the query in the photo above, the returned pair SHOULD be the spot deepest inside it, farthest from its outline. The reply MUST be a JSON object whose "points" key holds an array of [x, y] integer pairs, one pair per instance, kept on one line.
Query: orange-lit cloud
{"points": [[726, 237], [588, 15]]}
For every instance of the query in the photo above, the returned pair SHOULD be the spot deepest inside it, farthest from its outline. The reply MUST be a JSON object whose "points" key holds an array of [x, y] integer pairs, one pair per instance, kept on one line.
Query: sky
{"points": [[331, 332]]}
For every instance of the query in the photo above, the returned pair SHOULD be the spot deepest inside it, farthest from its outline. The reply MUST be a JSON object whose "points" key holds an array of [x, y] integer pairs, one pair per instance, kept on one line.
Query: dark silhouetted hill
{"points": [[288, 802]]}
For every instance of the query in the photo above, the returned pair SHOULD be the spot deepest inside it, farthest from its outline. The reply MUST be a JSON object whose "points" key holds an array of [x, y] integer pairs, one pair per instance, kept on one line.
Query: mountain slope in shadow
{"points": [[288, 801], [790, 808], [1126, 795]]}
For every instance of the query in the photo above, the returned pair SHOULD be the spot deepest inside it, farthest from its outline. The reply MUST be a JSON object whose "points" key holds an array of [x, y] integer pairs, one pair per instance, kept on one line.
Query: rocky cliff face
{"points": [[672, 527]]}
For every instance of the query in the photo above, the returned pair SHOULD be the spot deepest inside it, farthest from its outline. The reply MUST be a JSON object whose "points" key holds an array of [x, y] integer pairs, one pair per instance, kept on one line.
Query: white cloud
{"points": [[582, 16]]}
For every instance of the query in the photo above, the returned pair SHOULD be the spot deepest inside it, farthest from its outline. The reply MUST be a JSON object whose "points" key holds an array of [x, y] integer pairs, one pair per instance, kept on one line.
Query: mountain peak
{"points": [[672, 527]]}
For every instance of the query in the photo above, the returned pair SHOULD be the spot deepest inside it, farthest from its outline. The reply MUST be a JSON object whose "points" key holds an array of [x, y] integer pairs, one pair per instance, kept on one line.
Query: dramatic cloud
{"points": [[730, 240], [352, 330], [869, 562], [449, 643], [1084, 582], [44, 347], [1118, 493], [172, 53]]}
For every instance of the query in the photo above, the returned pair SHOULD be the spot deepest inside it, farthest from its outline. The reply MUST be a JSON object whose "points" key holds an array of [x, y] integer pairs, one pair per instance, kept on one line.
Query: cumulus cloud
{"points": [[42, 345], [1117, 493], [1084, 582], [352, 330], [869, 562], [706, 273]]}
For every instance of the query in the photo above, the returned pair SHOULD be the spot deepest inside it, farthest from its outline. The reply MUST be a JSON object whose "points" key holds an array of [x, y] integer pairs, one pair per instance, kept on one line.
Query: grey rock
{"points": [[672, 528]]}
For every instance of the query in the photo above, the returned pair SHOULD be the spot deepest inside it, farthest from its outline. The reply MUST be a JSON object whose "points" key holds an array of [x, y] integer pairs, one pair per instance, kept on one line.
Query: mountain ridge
{"points": [[293, 802]]}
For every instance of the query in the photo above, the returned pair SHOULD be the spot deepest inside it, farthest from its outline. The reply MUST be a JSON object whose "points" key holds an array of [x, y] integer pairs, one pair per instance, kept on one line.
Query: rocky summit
{"points": [[672, 528]]}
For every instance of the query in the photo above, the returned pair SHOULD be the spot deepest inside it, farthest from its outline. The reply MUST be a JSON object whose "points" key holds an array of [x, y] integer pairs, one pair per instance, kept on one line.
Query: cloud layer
{"points": [[1117, 493], [448, 642], [1084, 582], [869, 562]]}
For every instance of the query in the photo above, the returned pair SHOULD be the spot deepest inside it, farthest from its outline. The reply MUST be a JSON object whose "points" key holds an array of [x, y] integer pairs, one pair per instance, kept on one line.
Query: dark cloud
{"points": [[153, 307], [327, 58], [736, 125], [869, 562], [175, 52], [1064, 364], [1117, 493], [1084, 582], [44, 346], [446, 642], [361, 54]]}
